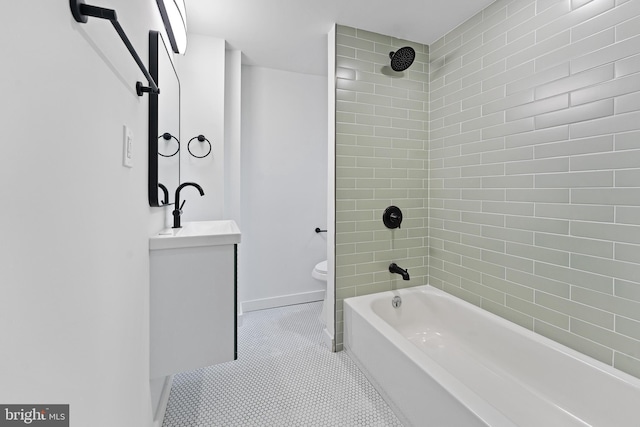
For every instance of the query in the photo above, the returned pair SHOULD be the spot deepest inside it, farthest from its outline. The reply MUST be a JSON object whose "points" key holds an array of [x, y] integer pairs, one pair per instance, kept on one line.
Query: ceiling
{"points": [[292, 34]]}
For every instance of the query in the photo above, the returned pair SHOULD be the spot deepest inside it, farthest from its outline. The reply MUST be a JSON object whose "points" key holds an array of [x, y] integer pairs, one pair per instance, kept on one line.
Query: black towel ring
{"points": [[200, 138], [167, 136]]}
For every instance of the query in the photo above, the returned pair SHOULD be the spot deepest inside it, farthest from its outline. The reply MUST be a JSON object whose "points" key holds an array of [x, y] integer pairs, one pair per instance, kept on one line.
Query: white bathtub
{"points": [[440, 361]]}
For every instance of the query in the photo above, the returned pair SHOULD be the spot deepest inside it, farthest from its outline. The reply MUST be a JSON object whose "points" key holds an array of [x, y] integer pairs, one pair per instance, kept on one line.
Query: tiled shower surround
{"points": [[381, 160], [534, 171]]}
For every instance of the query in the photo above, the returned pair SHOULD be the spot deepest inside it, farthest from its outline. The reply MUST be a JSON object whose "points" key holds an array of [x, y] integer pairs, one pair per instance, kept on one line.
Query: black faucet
{"points": [[394, 268], [165, 192], [178, 208]]}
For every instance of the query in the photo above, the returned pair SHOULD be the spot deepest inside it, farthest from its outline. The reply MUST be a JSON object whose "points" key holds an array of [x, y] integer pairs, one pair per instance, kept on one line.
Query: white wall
{"points": [[201, 71], [284, 185], [74, 254], [232, 132]]}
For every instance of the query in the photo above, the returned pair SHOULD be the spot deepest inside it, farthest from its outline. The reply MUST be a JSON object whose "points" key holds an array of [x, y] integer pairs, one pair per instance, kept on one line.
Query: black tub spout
{"points": [[394, 268]]}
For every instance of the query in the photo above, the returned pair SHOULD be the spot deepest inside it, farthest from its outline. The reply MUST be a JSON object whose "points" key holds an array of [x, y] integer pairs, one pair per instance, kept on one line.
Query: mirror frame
{"points": [[155, 44]]}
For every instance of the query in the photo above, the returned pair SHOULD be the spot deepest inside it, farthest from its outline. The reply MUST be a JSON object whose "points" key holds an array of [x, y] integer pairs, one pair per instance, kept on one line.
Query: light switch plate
{"points": [[127, 147]]}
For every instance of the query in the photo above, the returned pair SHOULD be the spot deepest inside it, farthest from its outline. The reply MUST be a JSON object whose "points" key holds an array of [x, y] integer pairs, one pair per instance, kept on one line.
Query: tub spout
{"points": [[394, 268]]}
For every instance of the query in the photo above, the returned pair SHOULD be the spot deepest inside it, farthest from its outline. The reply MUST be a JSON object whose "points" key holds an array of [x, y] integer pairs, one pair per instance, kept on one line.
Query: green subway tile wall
{"points": [[535, 170], [381, 159], [513, 147]]}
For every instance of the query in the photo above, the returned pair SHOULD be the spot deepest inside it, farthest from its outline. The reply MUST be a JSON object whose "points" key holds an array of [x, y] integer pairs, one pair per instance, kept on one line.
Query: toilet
{"points": [[320, 273]]}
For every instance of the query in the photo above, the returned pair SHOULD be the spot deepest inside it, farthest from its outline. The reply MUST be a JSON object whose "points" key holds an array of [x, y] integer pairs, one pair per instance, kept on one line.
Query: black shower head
{"points": [[402, 58]]}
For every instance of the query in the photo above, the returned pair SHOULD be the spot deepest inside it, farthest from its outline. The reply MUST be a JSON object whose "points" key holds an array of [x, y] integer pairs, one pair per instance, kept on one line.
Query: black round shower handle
{"points": [[392, 217]]}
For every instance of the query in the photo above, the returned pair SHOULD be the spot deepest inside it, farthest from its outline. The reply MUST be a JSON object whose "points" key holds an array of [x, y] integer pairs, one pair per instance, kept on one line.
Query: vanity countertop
{"points": [[197, 233]]}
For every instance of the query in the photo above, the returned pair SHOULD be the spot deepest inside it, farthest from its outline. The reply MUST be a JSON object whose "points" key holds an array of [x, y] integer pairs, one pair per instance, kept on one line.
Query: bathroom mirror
{"points": [[164, 124]]}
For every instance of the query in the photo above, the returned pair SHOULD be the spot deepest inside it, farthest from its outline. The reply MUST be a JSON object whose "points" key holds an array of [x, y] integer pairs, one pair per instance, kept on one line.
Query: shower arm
{"points": [[81, 12]]}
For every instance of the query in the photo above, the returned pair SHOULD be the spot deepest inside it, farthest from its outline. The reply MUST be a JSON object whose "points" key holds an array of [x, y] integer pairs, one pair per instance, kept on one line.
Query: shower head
{"points": [[402, 58]]}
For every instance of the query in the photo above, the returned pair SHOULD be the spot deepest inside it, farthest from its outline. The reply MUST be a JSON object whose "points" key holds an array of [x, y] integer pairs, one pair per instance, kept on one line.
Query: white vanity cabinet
{"points": [[193, 301]]}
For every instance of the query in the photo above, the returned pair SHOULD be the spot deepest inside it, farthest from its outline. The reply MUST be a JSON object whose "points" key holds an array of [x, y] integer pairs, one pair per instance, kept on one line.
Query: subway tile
{"points": [[509, 208], [353, 107], [573, 50], [593, 110], [577, 310], [599, 248], [575, 212], [508, 313], [627, 66], [509, 287], [539, 167], [539, 79], [604, 55], [627, 103], [627, 141], [539, 107], [628, 178], [542, 195], [537, 253], [606, 196], [485, 47], [517, 52], [526, 12], [539, 312], [628, 253], [611, 232], [510, 128], [606, 337], [512, 74], [508, 261], [620, 86], [539, 136], [596, 144], [608, 19], [627, 290], [483, 98], [576, 17], [507, 155], [544, 225], [555, 10], [539, 283], [483, 291], [627, 364], [509, 103], [603, 161], [532, 46], [606, 267], [628, 28], [467, 116], [519, 181], [627, 215], [575, 179], [575, 81], [576, 342], [580, 279], [606, 302], [508, 234]]}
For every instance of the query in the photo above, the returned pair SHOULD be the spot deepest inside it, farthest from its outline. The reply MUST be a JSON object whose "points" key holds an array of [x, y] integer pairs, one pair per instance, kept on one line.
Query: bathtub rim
{"points": [[362, 306]]}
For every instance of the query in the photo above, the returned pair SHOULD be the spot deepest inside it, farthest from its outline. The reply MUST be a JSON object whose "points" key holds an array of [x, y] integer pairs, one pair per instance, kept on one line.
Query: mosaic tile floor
{"points": [[284, 376]]}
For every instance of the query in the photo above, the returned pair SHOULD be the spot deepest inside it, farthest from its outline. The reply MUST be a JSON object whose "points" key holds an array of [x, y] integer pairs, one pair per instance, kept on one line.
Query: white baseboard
{"points": [[164, 400], [239, 314], [329, 341], [280, 301]]}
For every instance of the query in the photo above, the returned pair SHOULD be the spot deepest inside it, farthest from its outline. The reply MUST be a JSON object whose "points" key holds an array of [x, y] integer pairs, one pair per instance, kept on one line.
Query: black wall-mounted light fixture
{"points": [[174, 16]]}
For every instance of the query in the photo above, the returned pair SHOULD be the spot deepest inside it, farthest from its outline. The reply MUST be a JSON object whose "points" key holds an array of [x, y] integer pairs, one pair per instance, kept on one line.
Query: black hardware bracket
{"points": [[81, 13]]}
